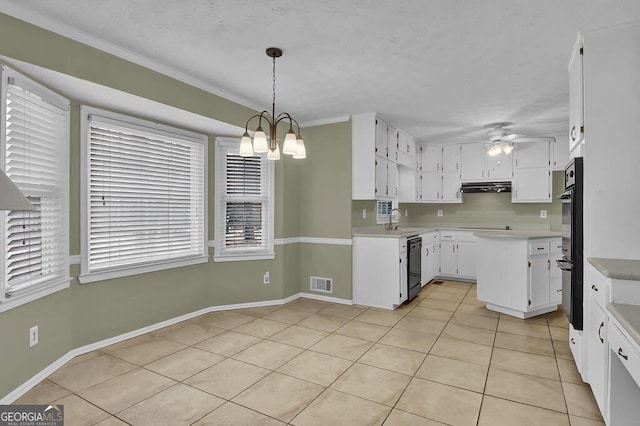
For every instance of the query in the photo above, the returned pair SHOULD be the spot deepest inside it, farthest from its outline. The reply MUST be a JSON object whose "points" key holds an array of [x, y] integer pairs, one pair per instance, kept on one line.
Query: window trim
{"points": [[85, 276], [38, 291], [248, 254]]}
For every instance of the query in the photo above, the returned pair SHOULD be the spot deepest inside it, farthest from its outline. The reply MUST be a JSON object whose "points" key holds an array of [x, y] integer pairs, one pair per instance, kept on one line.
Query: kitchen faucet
{"points": [[389, 226]]}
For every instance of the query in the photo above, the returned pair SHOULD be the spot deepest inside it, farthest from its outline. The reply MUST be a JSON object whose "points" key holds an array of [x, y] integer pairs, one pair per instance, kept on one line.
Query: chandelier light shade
{"points": [[10, 196], [293, 143]]}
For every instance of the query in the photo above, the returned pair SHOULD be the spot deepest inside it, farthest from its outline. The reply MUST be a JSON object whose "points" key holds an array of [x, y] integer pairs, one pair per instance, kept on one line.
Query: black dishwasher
{"points": [[414, 268]]}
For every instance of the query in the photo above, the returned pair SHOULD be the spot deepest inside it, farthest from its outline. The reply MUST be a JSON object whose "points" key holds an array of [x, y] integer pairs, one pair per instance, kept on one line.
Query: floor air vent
{"points": [[437, 282], [324, 285]]}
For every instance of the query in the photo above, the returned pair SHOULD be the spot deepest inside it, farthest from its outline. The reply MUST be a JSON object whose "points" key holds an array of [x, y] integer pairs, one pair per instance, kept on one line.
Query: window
{"points": [[144, 202], [383, 209], [244, 206], [34, 149]]}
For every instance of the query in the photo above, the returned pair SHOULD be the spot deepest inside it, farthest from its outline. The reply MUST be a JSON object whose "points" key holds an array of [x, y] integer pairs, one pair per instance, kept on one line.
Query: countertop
{"points": [[618, 269], [414, 229], [629, 317], [517, 235]]}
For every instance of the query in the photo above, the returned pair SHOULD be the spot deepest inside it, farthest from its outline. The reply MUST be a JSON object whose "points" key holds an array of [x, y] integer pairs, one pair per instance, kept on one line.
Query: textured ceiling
{"points": [[439, 69]]}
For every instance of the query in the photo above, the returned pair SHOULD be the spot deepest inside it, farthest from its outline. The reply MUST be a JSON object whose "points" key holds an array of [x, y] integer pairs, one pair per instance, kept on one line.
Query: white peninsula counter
{"points": [[517, 272]]}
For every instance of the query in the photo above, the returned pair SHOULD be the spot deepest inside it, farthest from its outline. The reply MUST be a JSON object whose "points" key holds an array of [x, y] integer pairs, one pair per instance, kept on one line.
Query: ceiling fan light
{"points": [[290, 146], [301, 151], [246, 148], [507, 148], [274, 154], [260, 141]]}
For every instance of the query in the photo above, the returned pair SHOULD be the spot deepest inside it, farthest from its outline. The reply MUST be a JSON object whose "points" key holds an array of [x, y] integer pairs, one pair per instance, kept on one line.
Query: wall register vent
{"points": [[324, 285]]}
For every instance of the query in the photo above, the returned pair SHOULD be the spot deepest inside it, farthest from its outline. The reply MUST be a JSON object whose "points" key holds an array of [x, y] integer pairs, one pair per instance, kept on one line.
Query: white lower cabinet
{"points": [[576, 346], [597, 348], [458, 257], [448, 258], [430, 257], [545, 277]]}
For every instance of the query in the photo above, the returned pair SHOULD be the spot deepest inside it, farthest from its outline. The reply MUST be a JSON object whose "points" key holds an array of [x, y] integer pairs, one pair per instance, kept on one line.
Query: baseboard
{"points": [[43, 374]]}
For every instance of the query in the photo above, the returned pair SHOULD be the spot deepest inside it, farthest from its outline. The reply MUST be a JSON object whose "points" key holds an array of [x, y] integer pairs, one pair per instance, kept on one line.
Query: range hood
{"points": [[476, 187]]}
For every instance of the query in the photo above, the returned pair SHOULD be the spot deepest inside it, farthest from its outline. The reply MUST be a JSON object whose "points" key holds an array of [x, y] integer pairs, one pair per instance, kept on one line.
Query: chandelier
{"points": [[293, 143]]}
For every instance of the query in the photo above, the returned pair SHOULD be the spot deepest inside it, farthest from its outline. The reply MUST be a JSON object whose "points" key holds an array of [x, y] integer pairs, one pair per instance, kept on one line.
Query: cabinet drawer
{"points": [[448, 235], [575, 344], [625, 351], [556, 246], [466, 236], [429, 238], [599, 287], [538, 247]]}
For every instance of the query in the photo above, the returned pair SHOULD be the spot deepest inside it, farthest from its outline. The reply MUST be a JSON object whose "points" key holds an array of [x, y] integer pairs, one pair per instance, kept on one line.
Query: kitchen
{"points": [[314, 203]]}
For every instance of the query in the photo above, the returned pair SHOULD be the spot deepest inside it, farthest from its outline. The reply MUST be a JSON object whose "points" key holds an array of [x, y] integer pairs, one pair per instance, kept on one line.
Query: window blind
{"points": [[146, 195], [245, 202], [35, 151]]}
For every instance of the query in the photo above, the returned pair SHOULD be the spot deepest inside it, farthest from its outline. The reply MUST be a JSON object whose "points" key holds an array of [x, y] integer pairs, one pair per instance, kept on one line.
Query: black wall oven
{"points": [[572, 264]]}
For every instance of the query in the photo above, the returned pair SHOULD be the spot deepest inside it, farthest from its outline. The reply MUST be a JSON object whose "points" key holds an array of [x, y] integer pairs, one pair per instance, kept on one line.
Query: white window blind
{"points": [[244, 202], [35, 149], [146, 195]]}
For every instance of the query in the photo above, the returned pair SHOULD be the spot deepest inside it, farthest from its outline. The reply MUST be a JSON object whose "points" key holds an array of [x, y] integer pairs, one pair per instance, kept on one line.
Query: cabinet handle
{"points": [[516, 162], [427, 252], [387, 152], [488, 173], [454, 248], [622, 354], [438, 195], [456, 166], [599, 330], [548, 265], [386, 189], [572, 341], [438, 167], [573, 134], [594, 288]]}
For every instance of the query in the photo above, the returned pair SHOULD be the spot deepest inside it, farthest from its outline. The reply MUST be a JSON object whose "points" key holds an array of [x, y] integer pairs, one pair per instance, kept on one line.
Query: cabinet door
{"points": [[431, 158], [448, 258], [418, 185], [435, 259], [403, 279], [538, 282], [450, 187], [425, 263], [451, 158], [381, 138], [531, 154], [467, 259], [596, 347], [576, 98], [392, 179], [531, 185], [472, 162], [555, 278], [411, 146], [431, 186], [499, 167], [381, 178], [392, 143]]}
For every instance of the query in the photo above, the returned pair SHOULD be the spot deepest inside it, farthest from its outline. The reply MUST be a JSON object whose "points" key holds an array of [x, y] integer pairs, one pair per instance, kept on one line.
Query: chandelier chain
{"points": [[274, 84]]}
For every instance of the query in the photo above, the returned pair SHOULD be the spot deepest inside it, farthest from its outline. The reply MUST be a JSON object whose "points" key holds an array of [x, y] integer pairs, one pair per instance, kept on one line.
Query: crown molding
{"points": [[324, 121]]}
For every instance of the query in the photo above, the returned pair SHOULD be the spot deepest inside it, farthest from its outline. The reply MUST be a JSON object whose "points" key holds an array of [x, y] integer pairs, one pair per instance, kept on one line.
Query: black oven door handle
{"points": [[566, 195], [564, 265]]}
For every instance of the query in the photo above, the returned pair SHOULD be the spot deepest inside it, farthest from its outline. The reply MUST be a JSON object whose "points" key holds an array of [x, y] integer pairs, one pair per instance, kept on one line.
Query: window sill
{"points": [[136, 270], [30, 296], [238, 257]]}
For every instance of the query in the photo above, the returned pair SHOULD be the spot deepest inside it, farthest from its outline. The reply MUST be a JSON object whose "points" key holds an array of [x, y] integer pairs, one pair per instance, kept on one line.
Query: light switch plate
{"points": [[439, 213], [364, 213], [406, 212], [543, 214]]}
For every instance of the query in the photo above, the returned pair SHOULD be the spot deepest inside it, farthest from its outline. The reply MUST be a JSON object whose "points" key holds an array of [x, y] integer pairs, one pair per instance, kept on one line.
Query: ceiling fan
{"points": [[502, 139]]}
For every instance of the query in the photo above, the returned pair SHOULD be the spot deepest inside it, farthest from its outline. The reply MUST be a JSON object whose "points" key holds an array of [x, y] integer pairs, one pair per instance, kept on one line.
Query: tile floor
{"points": [[443, 359]]}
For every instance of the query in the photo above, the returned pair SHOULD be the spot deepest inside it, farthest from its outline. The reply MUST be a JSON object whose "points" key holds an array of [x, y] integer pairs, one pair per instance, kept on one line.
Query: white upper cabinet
{"points": [[392, 143], [431, 158], [451, 187], [451, 158], [472, 160], [500, 167], [381, 138], [576, 96], [531, 185], [531, 154]]}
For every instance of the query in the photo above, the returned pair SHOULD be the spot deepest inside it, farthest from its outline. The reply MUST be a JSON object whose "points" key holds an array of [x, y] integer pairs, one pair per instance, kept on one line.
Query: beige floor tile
{"points": [[261, 327], [469, 334], [342, 346], [230, 414], [559, 333], [363, 330], [91, 372], [112, 421], [472, 300], [462, 351], [525, 363], [227, 378], [228, 343], [279, 396], [438, 304], [456, 284], [392, 358], [540, 319], [439, 402], [184, 363], [524, 329], [477, 321], [308, 305], [259, 311], [226, 320], [374, 384], [453, 372], [446, 296], [536, 391], [188, 332], [581, 421], [78, 412], [82, 358], [118, 393], [402, 418], [421, 325], [147, 351], [43, 393], [335, 408], [500, 412], [129, 342], [322, 322], [178, 405], [288, 315], [267, 354], [476, 310], [429, 313], [452, 289], [380, 317], [299, 336], [562, 350], [580, 401], [520, 343], [558, 319], [316, 367], [343, 311], [409, 340], [569, 371]]}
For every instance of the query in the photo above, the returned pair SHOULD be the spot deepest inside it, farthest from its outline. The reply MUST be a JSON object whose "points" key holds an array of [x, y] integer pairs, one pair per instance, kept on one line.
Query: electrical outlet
{"points": [[33, 336], [265, 278], [364, 213], [543, 214], [439, 213]]}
